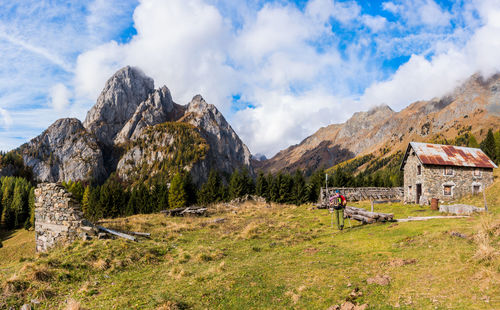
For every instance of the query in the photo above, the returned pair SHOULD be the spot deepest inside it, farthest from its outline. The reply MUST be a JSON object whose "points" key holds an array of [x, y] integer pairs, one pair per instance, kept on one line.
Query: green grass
{"points": [[282, 257]]}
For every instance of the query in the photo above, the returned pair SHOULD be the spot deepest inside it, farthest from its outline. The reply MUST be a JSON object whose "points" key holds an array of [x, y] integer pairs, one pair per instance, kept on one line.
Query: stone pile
{"points": [[460, 209], [58, 217]]}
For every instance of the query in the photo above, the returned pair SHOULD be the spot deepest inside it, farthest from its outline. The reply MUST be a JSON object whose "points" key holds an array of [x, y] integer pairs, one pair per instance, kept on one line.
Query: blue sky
{"points": [[278, 70]]}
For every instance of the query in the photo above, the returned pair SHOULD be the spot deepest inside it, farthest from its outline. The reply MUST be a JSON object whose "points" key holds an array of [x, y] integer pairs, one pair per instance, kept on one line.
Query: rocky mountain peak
{"points": [[158, 108], [118, 101]]}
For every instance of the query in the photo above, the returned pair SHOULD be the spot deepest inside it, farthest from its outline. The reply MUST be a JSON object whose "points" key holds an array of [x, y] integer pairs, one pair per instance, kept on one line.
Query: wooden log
{"points": [[142, 234], [367, 216], [116, 233]]}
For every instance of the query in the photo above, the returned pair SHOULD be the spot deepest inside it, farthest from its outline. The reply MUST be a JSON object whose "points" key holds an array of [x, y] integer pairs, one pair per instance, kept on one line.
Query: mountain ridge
{"points": [[471, 104]]}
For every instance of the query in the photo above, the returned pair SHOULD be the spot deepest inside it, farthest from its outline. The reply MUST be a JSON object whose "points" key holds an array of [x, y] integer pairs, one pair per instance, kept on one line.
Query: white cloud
{"points": [[419, 12], [59, 97], [422, 78], [6, 120]]}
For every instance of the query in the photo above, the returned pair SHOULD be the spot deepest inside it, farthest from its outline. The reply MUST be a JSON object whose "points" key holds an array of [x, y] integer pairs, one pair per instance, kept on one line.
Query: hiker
{"points": [[338, 202]]}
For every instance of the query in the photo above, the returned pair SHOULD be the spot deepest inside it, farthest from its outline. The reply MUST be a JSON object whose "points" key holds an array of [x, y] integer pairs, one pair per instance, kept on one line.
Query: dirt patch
{"points": [[380, 280], [311, 251], [398, 262]]}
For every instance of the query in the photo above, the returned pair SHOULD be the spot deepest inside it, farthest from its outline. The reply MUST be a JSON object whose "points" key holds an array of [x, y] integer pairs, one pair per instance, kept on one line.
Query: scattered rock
{"points": [[26, 307], [457, 234], [380, 280], [348, 306], [246, 198], [460, 209]]}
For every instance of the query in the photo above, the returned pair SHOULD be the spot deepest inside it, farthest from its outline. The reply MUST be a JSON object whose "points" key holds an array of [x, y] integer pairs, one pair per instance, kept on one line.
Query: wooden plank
{"points": [[116, 233]]}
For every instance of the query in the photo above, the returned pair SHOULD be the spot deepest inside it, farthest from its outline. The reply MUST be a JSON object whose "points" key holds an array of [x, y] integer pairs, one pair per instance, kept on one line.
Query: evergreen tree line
{"points": [[115, 199], [17, 203], [491, 145]]}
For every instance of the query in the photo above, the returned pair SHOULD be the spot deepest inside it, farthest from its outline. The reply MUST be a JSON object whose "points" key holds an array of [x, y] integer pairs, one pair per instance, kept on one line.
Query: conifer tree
{"points": [[189, 188], [177, 194], [497, 144], [237, 185], [261, 186], [488, 145], [211, 191], [299, 188], [472, 142], [85, 200], [285, 189]]}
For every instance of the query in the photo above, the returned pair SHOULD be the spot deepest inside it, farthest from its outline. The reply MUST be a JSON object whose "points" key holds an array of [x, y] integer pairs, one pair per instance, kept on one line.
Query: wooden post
{"points": [[484, 198], [371, 200]]}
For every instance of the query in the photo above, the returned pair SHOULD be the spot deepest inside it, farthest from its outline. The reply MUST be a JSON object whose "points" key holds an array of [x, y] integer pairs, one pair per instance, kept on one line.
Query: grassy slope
{"points": [[278, 257]]}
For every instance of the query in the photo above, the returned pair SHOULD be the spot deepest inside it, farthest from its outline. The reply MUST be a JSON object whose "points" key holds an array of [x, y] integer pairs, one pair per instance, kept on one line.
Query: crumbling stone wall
{"points": [[364, 193], [58, 217]]}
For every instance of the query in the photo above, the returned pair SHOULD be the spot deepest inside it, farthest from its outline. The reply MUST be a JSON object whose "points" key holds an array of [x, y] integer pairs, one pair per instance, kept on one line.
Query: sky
{"points": [[278, 70]]}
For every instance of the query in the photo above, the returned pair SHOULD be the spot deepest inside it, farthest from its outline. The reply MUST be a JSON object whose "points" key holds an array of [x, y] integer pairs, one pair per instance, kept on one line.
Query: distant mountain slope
{"points": [[125, 125], [473, 107]]}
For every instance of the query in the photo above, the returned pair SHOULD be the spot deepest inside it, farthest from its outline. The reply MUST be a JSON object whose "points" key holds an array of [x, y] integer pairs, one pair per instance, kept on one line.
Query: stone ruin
{"points": [[58, 218], [363, 193]]}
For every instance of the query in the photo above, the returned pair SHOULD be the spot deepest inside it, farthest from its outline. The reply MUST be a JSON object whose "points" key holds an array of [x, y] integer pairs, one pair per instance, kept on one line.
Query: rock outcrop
{"points": [[118, 101], [63, 152], [227, 152], [201, 140], [157, 109], [163, 148]]}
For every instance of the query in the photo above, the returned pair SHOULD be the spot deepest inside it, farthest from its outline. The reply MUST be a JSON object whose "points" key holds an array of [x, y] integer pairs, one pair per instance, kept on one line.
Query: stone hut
{"points": [[58, 217], [444, 172]]}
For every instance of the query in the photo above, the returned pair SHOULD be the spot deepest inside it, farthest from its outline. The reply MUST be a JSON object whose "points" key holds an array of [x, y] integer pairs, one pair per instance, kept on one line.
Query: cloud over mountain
{"points": [[278, 70]]}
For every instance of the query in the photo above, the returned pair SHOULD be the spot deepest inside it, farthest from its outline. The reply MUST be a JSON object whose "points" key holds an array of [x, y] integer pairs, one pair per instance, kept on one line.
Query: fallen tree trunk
{"points": [[187, 210], [142, 234], [425, 218], [367, 217], [116, 233]]}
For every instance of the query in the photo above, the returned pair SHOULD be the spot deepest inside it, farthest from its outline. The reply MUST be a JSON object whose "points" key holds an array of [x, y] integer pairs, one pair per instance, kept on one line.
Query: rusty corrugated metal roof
{"points": [[450, 155]]}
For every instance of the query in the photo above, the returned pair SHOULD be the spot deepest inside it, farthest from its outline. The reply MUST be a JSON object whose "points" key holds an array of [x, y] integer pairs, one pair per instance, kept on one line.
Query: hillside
{"points": [[266, 257], [471, 108]]}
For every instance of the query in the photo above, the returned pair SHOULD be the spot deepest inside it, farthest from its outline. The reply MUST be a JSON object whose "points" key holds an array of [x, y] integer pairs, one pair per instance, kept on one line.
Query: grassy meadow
{"points": [[264, 257]]}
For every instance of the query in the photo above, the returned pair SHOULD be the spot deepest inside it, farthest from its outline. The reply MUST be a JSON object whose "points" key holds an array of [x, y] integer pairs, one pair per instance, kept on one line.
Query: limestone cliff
{"points": [[63, 152]]}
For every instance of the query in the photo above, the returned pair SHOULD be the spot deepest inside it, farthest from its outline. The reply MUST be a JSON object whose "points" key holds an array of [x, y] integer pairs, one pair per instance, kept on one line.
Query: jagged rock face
{"points": [[158, 108], [227, 152], [118, 101], [474, 106], [63, 152]]}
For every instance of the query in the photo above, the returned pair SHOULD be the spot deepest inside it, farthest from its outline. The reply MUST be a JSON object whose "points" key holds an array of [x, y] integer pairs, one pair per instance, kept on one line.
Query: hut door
{"points": [[419, 193]]}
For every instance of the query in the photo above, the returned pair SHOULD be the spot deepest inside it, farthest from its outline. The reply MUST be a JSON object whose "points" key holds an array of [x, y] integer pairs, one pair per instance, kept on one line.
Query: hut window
{"points": [[409, 190], [419, 170], [476, 189], [477, 172], [448, 171], [447, 190]]}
